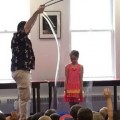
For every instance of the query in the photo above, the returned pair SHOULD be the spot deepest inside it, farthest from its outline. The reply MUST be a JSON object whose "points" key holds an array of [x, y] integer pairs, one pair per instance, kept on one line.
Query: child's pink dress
{"points": [[73, 84]]}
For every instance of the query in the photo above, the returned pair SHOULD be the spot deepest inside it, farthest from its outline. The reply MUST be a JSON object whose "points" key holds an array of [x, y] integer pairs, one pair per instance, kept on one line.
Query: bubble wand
{"points": [[58, 60], [46, 4]]}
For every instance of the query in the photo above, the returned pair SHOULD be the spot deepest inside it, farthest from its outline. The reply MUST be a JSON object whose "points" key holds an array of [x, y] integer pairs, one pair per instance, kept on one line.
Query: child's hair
{"points": [[116, 115], [74, 110], [14, 115], [44, 117], [84, 114], [29, 118], [55, 116], [75, 53], [97, 116], [49, 112], [2, 116], [36, 116], [104, 112]]}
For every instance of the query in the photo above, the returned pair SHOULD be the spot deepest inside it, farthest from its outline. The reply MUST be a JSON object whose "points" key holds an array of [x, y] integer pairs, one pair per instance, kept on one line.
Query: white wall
{"points": [[46, 49], [117, 37]]}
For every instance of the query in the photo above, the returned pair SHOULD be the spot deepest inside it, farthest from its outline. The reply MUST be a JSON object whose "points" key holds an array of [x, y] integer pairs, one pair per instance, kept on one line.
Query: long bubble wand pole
{"points": [[46, 5], [48, 2], [58, 60]]}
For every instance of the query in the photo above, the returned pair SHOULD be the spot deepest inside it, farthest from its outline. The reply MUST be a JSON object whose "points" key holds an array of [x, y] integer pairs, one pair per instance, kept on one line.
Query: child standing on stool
{"points": [[74, 80]]}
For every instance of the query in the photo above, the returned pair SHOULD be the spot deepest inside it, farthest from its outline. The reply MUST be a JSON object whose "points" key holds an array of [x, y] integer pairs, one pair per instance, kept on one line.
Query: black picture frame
{"points": [[44, 28]]}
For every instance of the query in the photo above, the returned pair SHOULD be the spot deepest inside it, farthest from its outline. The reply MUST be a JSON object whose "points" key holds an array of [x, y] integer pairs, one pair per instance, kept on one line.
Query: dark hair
{"points": [[74, 110], [116, 115], [2, 116], [55, 116], [75, 53], [84, 114], [21, 25], [29, 118], [36, 116], [50, 111]]}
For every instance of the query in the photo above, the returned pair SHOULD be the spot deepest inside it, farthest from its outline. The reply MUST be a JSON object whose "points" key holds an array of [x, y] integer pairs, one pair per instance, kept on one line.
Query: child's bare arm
{"points": [[81, 79], [107, 94], [82, 70], [66, 76]]}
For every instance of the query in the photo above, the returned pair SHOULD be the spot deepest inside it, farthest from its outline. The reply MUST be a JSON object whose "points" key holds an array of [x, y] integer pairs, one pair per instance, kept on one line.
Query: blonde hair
{"points": [[44, 117], [104, 111], [97, 116]]}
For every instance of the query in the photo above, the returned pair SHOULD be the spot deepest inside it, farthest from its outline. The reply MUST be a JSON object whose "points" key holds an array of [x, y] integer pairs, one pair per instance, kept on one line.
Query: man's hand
{"points": [[40, 9]]}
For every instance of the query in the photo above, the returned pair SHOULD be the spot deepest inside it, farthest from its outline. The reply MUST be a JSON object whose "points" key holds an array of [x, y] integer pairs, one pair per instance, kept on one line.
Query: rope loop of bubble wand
{"points": [[49, 19], [57, 42], [58, 59]]}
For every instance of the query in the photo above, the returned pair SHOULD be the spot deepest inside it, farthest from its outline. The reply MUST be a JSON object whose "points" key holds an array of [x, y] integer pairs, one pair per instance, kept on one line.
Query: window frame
{"points": [[102, 30]]}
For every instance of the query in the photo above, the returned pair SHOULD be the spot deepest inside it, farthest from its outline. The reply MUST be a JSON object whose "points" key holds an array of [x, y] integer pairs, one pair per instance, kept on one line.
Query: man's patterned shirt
{"points": [[22, 53]]}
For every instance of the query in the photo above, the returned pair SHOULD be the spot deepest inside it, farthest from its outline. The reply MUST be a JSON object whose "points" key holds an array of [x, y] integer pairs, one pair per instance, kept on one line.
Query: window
{"points": [[12, 12], [92, 35]]}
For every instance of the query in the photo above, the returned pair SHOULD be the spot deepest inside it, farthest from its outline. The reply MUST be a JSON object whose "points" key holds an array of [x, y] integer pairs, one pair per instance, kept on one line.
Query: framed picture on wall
{"points": [[45, 31]]}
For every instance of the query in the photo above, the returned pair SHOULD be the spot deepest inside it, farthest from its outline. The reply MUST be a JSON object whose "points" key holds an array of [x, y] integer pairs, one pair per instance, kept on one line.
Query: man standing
{"points": [[23, 60]]}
